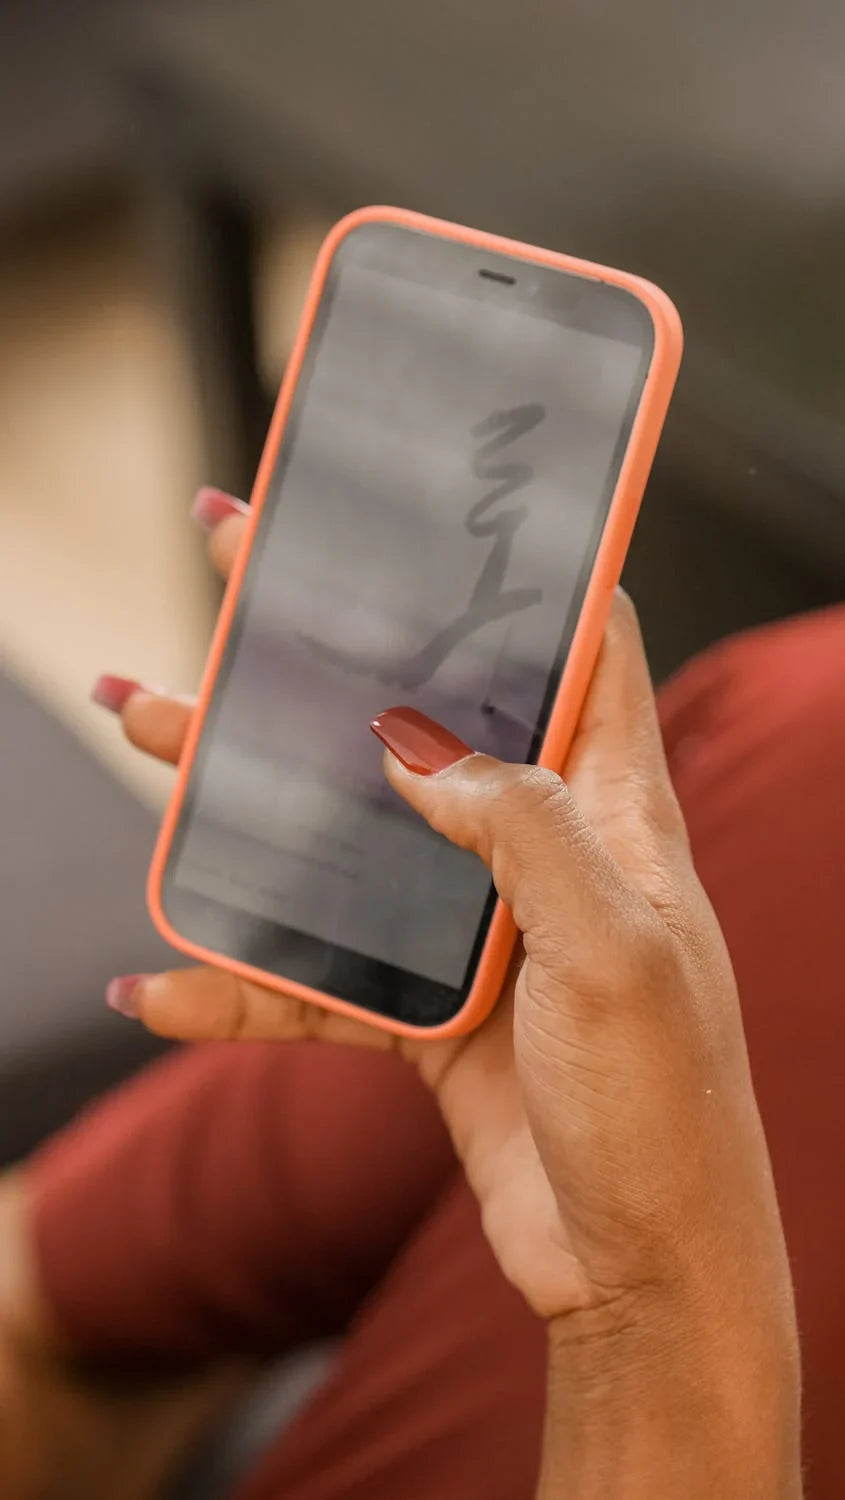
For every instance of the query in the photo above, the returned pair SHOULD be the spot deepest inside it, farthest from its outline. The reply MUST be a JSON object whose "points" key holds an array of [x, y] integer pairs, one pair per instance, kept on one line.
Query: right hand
{"points": [[604, 1113]]}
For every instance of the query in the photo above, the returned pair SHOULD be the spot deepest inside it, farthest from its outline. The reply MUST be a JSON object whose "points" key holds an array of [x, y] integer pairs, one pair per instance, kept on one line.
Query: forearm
{"points": [[660, 1412]]}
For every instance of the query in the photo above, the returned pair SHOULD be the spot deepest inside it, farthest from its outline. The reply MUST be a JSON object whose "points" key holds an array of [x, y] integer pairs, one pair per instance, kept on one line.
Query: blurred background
{"points": [[166, 173]]}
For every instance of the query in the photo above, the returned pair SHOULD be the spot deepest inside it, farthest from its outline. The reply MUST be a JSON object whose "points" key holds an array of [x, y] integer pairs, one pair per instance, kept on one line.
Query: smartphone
{"points": [[439, 519]]}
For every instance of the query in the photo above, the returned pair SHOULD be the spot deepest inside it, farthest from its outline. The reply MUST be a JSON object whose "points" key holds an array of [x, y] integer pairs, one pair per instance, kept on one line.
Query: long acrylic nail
{"points": [[122, 994], [420, 743], [212, 506], [112, 692]]}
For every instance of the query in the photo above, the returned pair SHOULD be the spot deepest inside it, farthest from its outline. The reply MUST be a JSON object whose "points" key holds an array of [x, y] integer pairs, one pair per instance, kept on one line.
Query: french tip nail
{"points": [[121, 994], [113, 692], [211, 506]]}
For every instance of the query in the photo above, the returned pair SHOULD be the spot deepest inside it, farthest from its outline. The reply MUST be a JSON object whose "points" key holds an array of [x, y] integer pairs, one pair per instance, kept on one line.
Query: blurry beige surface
{"points": [[100, 453], [99, 456], [285, 260]]}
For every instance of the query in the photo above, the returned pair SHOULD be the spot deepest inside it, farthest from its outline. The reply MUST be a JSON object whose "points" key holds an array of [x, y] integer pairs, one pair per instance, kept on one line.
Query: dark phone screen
{"points": [[427, 539]]}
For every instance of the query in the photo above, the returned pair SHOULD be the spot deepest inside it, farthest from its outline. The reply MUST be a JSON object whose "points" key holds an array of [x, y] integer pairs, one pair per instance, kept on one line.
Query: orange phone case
{"points": [[645, 433]]}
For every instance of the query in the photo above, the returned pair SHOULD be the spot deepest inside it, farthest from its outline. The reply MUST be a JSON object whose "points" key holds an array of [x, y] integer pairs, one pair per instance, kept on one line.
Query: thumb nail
{"points": [[420, 743]]}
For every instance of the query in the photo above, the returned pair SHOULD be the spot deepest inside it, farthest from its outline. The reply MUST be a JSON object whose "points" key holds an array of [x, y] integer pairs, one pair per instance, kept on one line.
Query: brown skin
{"points": [[604, 1113]]}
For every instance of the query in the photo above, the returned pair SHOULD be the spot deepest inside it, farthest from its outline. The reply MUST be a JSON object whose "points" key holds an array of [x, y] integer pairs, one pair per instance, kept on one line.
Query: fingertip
{"points": [[123, 994], [157, 723], [224, 540], [136, 709], [399, 777], [212, 506], [154, 1001], [202, 1003], [113, 692], [418, 742]]}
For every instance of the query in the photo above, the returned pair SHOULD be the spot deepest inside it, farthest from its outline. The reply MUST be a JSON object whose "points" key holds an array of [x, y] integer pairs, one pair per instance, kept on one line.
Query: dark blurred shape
{"points": [[60, 116], [239, 1440], [659, 139]]}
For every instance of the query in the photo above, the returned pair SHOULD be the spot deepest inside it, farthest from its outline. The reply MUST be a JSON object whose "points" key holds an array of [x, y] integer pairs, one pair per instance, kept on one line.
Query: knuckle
{"points": [[535, 828], [236, 1027], [311, 1020], [536, 793]]}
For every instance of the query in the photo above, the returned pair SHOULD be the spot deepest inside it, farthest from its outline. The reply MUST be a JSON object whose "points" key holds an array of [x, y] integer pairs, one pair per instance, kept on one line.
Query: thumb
{"points": [[616, 764], [547, 864], [556, 849]]}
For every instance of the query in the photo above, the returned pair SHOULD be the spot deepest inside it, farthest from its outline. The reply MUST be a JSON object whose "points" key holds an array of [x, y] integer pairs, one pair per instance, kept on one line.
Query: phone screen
{"points": [[427, 538]]}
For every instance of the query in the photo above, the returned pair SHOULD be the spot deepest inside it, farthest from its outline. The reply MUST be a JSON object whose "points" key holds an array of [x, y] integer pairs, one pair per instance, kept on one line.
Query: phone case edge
{"points": [[586, 643]]}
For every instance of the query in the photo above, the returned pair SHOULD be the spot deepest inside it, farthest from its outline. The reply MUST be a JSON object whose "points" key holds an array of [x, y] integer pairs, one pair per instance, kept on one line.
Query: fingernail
{"points": [[112, 692], [421, 744], [212, 506], [121, 994]]}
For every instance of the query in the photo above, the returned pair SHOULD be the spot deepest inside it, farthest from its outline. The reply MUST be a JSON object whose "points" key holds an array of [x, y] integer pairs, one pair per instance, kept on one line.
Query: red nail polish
{"points": [[420, 743], [212, 506], [121, 994], [112, 692]]}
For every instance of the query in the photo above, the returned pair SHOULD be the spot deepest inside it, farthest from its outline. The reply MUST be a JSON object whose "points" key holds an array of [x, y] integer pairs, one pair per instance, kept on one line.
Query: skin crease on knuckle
{"points": [[626, 1022], [535, 832], [596, 935], [656, 936], [237, 1022], [639, 1020]]}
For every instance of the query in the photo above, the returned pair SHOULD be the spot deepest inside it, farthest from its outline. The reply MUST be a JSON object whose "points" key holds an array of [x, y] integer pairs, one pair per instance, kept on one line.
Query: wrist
{"points": [[657, 1396]]}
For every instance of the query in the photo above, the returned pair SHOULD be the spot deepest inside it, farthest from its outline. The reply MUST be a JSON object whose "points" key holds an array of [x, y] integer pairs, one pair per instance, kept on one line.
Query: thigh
{"points": [[237, 1197], [438, 1391], [755, 733]]}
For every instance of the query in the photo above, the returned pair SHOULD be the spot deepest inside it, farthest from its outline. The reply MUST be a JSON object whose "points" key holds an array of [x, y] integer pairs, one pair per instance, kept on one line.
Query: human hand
{"points": [[604, 1113]]}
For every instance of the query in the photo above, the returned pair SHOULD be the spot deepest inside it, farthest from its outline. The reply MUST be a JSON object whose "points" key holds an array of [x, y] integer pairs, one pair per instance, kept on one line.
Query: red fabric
{"points": [[439, 1390], [235, 1197], [248, 1197]]}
